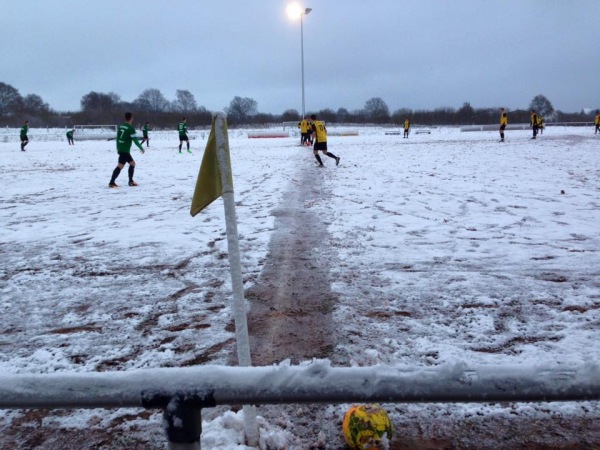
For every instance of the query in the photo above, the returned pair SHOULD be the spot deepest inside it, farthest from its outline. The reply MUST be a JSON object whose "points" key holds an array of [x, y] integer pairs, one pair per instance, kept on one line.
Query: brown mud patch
{"points": [[291, 302]]}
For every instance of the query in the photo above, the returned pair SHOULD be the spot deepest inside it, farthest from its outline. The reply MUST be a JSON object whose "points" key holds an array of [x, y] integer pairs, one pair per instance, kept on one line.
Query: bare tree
{"points": [[377, 110], [99, 102], [400, 114], [152, 100], [34, 104], [184, 102], [466, 114], [542, 106], [343, 115], [290, 115], [327, 115], [203, 115], [10, 99], [241, 109]]}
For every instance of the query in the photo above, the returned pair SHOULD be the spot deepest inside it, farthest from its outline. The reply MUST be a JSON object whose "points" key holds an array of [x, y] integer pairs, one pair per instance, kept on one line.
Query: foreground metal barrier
{"points": [[182, 393]]}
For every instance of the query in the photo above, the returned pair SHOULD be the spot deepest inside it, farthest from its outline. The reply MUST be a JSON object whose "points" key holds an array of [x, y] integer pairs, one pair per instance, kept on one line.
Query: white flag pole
{"points": [[235, 267]]}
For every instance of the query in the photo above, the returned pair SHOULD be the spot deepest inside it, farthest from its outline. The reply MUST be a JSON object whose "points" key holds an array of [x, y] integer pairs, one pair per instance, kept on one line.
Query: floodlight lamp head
{"points": [[307, 10], [294, 11]]}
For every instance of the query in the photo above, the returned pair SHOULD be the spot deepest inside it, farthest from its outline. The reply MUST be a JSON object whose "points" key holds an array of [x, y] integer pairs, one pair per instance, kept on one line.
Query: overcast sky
{"points": [[418, 54]]}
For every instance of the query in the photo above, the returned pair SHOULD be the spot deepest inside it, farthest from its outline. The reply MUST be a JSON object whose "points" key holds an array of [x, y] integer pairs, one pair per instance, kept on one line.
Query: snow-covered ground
{"points": [[448, 247]]}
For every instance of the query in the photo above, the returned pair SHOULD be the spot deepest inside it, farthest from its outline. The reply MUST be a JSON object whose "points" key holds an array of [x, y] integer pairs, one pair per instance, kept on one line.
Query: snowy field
{"points": [[447, 247]]}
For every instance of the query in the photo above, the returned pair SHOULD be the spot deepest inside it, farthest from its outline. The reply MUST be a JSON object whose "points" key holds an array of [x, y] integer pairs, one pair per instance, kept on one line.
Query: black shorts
{"points": [[502, 127], [125, 158], [145, 136], [320, 146], [183, 137], [24, 138]]}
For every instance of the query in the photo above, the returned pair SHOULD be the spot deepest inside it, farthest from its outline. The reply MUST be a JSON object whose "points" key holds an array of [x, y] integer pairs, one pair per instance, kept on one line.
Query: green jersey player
{"points": [[23, 135], [182, 129], [125, 137], [145, 137], [70, 137]]}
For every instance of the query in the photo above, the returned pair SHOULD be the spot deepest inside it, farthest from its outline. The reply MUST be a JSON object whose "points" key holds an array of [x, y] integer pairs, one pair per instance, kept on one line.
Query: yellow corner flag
{"points": [[209, 186]]}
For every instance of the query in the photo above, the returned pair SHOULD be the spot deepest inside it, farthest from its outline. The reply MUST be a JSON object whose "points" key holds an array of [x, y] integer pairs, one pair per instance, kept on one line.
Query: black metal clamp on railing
{"points": [[183, 415]]}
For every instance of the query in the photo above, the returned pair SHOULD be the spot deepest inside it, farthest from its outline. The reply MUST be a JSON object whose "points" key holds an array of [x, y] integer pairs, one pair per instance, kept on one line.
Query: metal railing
{"points": [[182, 393]]}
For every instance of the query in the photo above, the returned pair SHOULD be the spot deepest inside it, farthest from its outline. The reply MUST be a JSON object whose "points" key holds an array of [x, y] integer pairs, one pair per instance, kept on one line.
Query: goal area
{"points": [[94, 132], [293, 125]]}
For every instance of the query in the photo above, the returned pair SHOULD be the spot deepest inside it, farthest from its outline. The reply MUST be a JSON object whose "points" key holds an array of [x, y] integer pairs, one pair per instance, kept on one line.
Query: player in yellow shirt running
{"points": [[503, 123], [319, 135]]}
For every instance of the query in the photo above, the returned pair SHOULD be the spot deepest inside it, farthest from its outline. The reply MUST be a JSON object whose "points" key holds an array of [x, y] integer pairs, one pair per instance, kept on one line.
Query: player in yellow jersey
{"points": [[533, 123], [503, 123], [406, 127], [305, 130], [597, 122], [319, 136]]}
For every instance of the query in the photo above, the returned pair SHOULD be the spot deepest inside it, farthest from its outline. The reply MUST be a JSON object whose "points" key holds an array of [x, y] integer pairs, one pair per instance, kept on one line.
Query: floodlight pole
{"points": [[303, 13]]}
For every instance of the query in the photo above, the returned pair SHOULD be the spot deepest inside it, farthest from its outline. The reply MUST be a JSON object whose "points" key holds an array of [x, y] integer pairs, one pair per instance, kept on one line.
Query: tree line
{"points": [[101, 108]]}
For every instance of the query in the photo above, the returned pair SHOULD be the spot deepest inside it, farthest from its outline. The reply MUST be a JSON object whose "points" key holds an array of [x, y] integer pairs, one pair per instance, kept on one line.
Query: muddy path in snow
{"points": [[290, 316], [291, 303]]}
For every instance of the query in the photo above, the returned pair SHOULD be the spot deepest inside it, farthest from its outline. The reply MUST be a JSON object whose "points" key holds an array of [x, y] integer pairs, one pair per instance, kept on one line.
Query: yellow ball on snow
{"points": [[364, 427]]}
